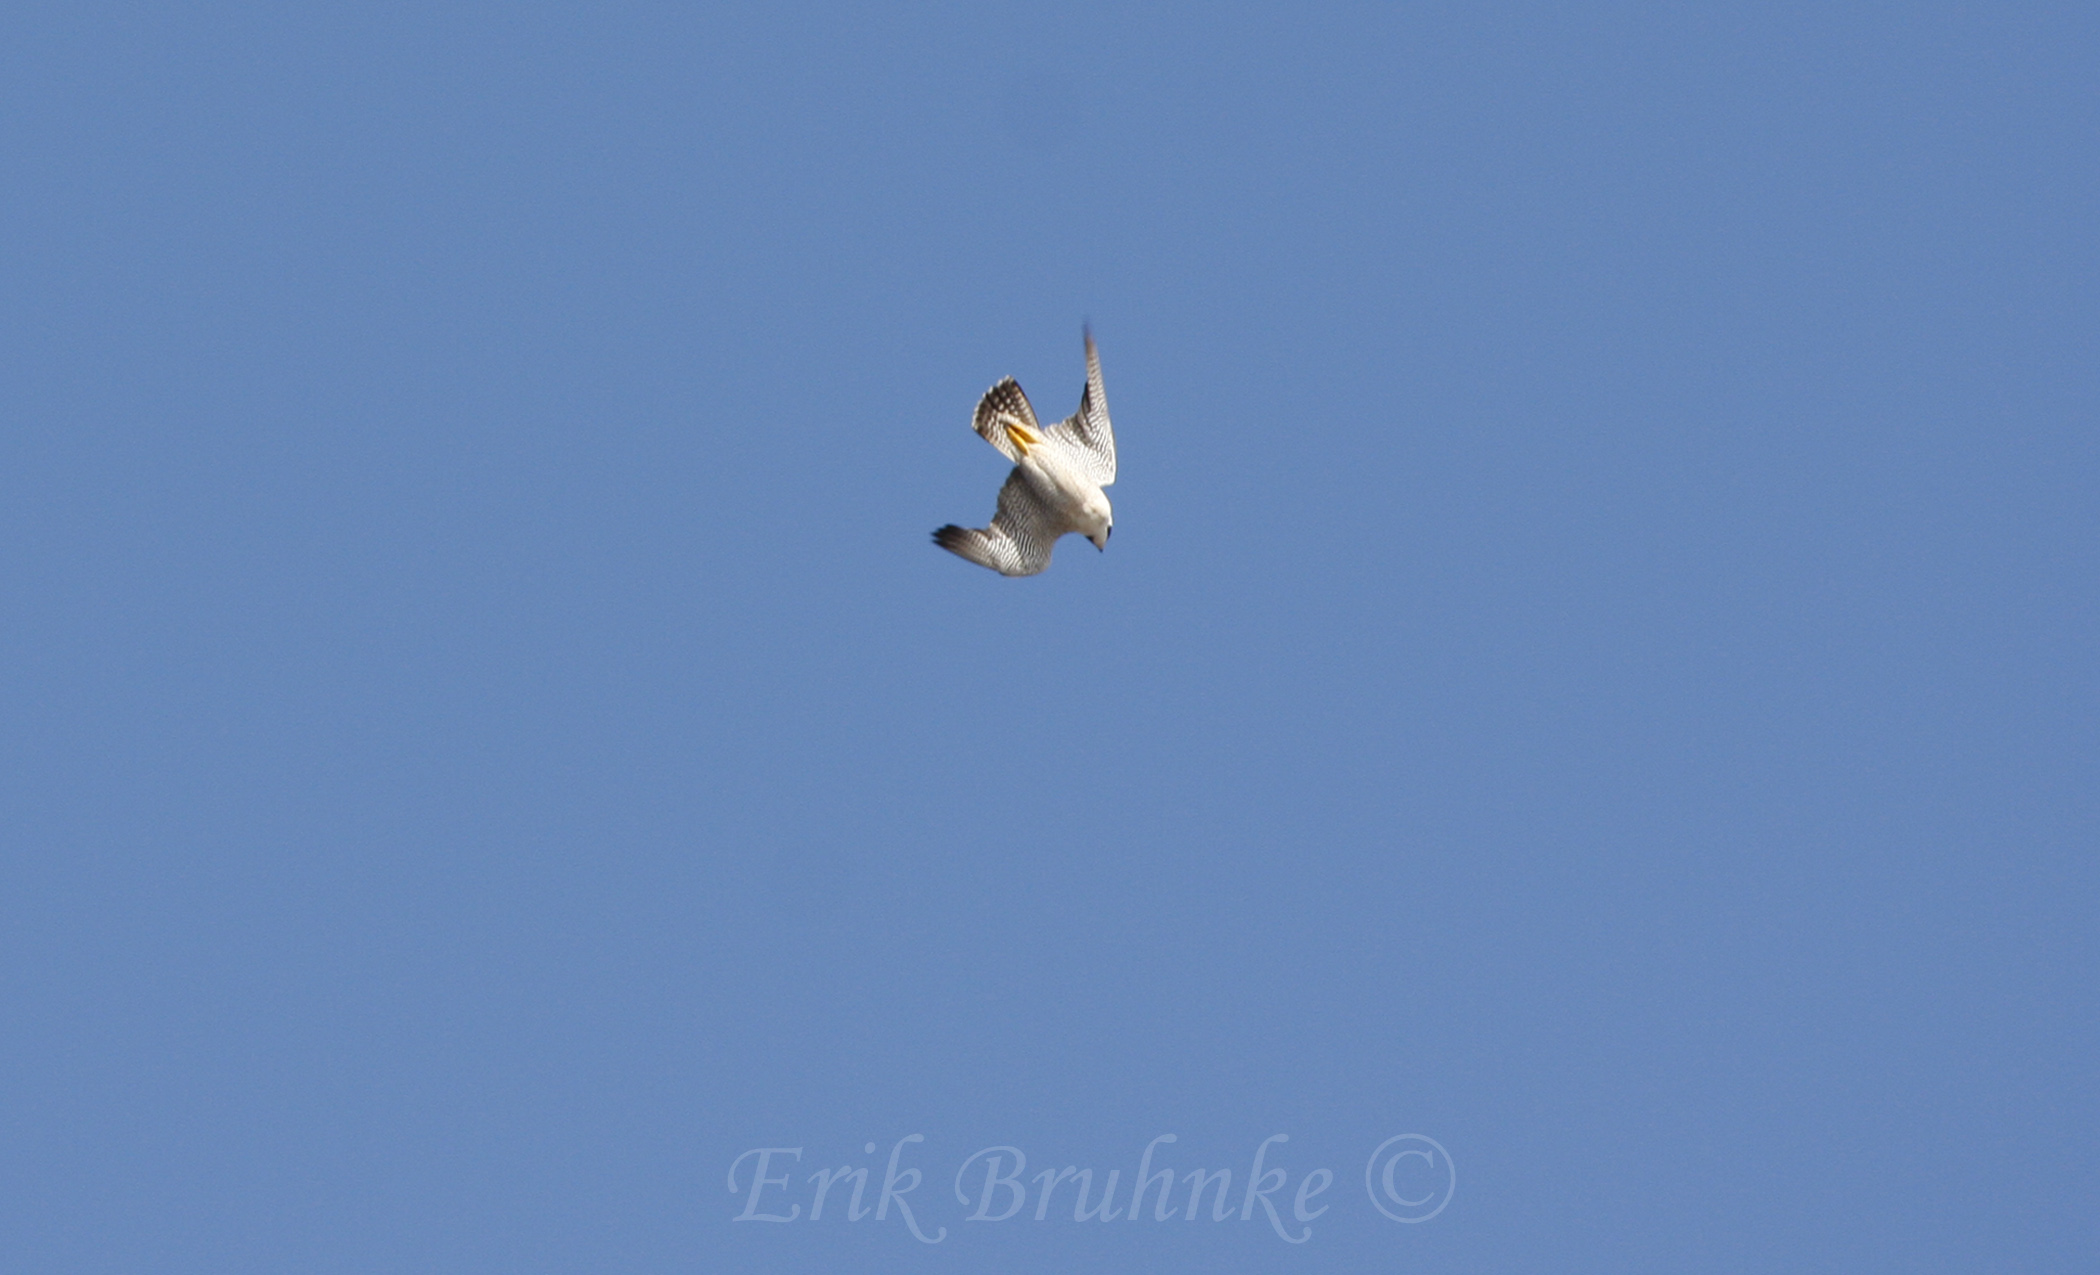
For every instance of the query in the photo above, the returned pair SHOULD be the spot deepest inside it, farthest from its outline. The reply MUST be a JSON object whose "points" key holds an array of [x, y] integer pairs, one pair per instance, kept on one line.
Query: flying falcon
{"points": [[1056, 483]]}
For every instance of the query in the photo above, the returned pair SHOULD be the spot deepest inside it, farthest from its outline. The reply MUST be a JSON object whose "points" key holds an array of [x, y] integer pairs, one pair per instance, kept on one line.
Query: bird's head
{"points": [[1100, 520]]}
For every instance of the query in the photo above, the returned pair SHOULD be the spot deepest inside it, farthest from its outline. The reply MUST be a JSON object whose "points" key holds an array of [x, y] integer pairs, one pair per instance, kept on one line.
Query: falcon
{"points": [[1056, 483]]}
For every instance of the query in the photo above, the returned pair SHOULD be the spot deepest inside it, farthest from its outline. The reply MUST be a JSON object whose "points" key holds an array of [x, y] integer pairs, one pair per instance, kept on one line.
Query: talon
{"points": [[1022, 436]]}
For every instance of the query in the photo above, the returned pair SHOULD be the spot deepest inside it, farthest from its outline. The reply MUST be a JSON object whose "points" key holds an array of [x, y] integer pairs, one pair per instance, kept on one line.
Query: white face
{"points": [[1104, 521]]}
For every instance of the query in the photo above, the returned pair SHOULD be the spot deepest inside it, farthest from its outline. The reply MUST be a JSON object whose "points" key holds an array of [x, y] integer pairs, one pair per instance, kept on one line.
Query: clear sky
{"points": [[1596, 667]]}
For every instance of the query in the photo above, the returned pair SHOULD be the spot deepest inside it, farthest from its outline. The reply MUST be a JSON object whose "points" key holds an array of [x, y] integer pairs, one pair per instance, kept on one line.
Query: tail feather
{"points": [[1001, 403]]}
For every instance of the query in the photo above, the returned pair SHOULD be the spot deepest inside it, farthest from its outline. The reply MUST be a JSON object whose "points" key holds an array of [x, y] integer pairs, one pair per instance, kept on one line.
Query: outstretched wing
{"points": [[1001, 403], [1084, 438], [1019, 540]]}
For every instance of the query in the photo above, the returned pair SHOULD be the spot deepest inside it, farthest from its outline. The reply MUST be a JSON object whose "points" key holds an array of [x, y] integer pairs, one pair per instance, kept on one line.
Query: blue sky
{"points": [[1595, 667]]}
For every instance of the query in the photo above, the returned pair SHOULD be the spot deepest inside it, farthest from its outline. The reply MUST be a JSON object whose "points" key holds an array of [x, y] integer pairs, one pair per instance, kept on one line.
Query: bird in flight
{"points": [[1056, 483]]}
